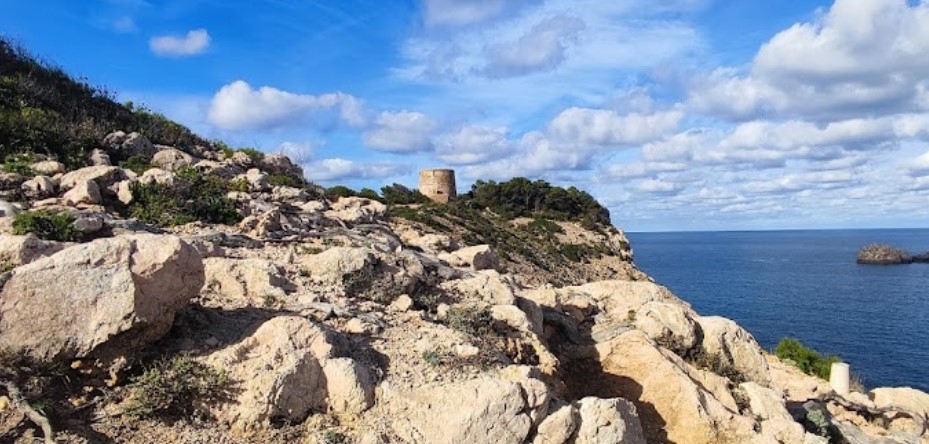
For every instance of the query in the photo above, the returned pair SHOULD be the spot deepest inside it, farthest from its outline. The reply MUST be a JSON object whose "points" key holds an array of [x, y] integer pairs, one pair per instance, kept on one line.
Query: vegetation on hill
{"points": [[806, 359], [45, 110], [520, 197]]}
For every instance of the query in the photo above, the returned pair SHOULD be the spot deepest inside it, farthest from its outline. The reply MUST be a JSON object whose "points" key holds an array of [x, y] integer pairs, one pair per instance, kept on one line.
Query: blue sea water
{"points": [[806, 284]]}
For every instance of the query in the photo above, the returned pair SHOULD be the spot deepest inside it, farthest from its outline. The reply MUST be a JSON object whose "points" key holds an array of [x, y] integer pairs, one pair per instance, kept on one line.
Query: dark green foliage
{"points": [[520, 197], [397, 194], [47, 225], [137, 164], [339, 191], [202, 198], [283, 180], [252, 153], [20, 164], [806, 359], [368, 193], [176, 388], [544, 227], [44, 110], [471, 320]]}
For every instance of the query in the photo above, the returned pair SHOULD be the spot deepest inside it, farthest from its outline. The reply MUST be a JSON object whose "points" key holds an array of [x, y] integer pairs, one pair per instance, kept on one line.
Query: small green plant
{"points": [[271, 300], [282, 180], [253, 153], [47, 225], [469, 319], [630, 316], [434, 357], [305, 272], [20, 164], [6, 266], [334, 437], [203, 199], [138, 164], [806, 359], [311, 250], [175, 388]]}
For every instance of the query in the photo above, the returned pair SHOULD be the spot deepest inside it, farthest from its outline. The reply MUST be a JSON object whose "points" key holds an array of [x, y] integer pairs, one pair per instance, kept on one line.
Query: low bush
{"points": [[137, 164], [334, 193], [397, 194], [20, 164], [368, 193], [202, 198], [806, 359], [283, 180], [470, 319], [176, 388], [47, 225]]}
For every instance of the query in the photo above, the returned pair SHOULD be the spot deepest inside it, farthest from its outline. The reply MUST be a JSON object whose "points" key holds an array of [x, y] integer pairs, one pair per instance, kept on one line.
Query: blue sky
{"points": [[678, 115]]}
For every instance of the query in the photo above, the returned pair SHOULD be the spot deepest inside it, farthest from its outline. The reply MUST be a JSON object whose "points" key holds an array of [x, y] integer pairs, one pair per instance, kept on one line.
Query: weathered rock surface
{"points": [[249, 279], [285, 370], [882, 254], [103, 176], [127, 145], [19, 250], [608, 421], [478, 257], [172, 159], [487, 285], [104, 298], [485, 410], [735, 347], [357, 210]]}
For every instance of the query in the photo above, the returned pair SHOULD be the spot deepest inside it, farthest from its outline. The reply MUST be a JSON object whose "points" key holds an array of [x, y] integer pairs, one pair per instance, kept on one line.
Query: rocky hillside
{"points": [[194, 295]]}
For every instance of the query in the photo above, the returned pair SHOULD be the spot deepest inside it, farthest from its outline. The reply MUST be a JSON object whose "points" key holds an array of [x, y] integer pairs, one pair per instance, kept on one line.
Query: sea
{"points": [[805, 284]]}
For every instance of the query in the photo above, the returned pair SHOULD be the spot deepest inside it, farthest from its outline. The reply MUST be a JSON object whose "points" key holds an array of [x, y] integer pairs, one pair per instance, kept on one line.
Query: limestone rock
{"points": [[86, 192], [280, 165], [736, 347], [104, 298], [245, 278], [221, 169], [487, 285], [485, 410], [286, 369], [558, 426], [357, 210], [910, 399], [39, 186], [19, 250], [48, 167], [11, 181], [608, 421], [257, 180], [8, 209], [159, 176], [332, 265], [172, 159], [99, 157], [103, 176], [660, 319], [479, 257], [430, 242], [671, 405], [127, 145], [769, 407]]}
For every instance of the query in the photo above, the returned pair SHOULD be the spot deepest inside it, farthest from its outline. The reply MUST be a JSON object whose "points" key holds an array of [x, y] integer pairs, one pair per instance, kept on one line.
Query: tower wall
{"points": [[438, 184]]}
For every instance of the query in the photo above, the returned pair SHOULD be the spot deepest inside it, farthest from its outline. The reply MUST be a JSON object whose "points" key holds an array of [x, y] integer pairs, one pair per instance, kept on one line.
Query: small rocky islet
{"points": [[883, 254]]}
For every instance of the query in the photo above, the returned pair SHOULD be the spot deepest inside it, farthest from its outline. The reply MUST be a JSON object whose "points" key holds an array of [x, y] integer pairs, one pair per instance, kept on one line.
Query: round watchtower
{"points": [[438, 184]]}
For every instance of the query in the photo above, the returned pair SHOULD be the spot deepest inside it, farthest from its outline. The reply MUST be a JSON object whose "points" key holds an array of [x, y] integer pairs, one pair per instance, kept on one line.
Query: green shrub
{"points": [[470, 319], [334, 193], [204, 199], [397, 194], [20, 164], [176, 388], [368, 193], [806, 359], [283, 180], [47, 225], [137, 164], [520, 197], [252, 153]]}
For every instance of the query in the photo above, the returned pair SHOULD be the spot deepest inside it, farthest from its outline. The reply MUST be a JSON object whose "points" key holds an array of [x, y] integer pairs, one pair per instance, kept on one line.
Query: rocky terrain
{"points": [[882, 254], [334, 320]]}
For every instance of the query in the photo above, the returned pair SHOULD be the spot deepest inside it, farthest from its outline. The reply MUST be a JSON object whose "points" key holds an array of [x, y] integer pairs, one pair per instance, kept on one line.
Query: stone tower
{"points": [[438, 185]]}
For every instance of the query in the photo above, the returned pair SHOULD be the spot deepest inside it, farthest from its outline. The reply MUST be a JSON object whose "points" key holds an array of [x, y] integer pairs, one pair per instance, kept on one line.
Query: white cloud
{"points": [[640, 170], [401, 132], [859, 58], [195, 42], [659, 187], [542, 48], [342, 169], [919, 166], [465, 12], [473, 144], [238, 106], [125, 24], [608, 128]]}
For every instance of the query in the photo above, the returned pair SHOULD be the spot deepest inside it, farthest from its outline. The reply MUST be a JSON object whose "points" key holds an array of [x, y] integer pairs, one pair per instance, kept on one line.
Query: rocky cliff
{"points": [[318, 320]]}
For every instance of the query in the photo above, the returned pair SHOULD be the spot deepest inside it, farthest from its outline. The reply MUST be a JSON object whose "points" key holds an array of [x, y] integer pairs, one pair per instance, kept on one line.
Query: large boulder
{"points": [[332, 266], [357, 210], [104, 299], [478, 257], [770, 409], [19, 250], [279, 164], [667, 320], [124, 146], [735, 347], [172, 159], [486, 285], [86, 193], [248, 279], [607, 421], [39, 187], [671, 404], [904, 398], [103, 176], [485, 410], [882, 254], [286, 369], [558, 426], [48, 167]]}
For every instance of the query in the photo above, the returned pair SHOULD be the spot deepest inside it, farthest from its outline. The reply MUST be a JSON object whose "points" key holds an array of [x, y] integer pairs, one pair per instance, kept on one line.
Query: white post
{"points": [[838, 378]]}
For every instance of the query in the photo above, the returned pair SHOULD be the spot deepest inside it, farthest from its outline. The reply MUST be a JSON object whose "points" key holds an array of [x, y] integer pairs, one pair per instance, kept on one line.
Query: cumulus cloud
{"points": [[542, 48], [860, 57], [238, 106], [401, 132], [608, 128], [473, 144], [465, 12], [195, 42], [343, 169], [919, 166], [640, 170], [658, 187]]}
